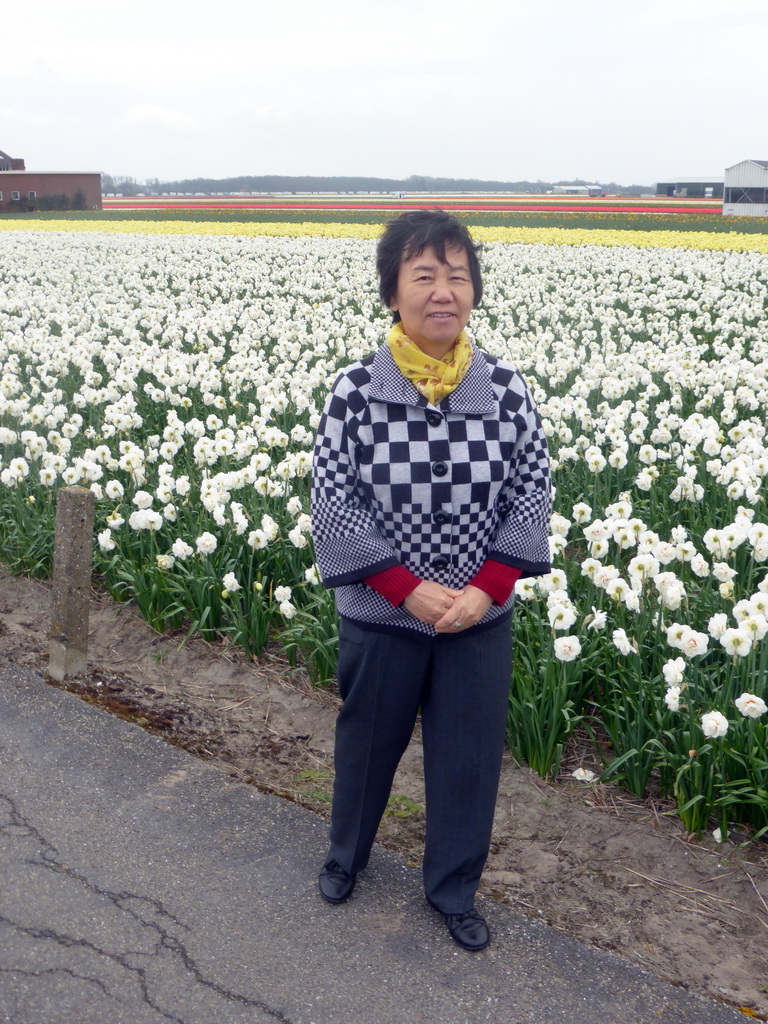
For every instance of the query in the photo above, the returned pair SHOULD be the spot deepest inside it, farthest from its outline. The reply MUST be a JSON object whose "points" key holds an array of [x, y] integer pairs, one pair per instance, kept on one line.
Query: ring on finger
{"points": [[457, 624]]}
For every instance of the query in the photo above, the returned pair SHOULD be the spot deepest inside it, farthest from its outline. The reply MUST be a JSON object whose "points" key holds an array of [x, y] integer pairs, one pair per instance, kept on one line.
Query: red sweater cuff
{"points": [[394, 584], [497, 580]]}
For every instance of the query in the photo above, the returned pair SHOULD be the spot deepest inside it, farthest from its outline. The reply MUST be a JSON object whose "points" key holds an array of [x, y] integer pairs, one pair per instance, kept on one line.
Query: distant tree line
{"points": [[415, 183]]}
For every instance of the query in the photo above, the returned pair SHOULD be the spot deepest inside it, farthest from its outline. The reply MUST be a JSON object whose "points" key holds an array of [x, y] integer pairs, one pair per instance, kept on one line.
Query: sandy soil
{"points": [[612, 871]]}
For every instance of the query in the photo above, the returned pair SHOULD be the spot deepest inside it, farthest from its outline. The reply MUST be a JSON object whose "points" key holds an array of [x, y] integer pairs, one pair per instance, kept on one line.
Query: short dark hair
{"points": [[410, 234]]}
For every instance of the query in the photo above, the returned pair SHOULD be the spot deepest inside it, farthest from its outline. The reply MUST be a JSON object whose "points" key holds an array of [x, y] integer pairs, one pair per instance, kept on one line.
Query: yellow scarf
{"points": [[433, 378]]}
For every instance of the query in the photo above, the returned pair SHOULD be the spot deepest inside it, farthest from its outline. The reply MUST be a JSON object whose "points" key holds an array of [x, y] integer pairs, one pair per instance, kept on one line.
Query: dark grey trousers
{"points": [[461, 685]]}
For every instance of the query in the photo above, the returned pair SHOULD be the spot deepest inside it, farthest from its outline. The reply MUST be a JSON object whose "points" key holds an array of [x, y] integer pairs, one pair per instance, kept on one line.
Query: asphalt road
{"points": [[139, 885]]}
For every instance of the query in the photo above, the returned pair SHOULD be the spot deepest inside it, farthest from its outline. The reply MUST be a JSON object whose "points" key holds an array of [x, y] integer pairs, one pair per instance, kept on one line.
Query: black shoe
{"points": [[469, 930], [335, 883]]}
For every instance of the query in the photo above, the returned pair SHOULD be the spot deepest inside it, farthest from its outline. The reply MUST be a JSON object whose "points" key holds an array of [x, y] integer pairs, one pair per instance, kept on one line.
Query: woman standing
{"points": [[431, 497]]}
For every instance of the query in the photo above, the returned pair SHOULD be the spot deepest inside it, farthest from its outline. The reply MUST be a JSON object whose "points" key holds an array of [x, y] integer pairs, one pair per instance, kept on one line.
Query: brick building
{"points": [[24, 190]]}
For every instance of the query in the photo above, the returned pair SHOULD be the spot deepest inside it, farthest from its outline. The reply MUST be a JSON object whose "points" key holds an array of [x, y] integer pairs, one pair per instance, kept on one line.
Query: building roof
{"points": [[760, 163], [58, 174], [711, 179]]}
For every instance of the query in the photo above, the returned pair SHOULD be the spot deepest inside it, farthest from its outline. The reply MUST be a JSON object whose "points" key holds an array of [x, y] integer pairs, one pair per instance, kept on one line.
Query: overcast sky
{"points": [[494, 89]]}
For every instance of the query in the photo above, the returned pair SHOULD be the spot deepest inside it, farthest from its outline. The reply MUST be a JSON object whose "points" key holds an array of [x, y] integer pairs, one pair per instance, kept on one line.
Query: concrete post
{"points": [[72, 559]]}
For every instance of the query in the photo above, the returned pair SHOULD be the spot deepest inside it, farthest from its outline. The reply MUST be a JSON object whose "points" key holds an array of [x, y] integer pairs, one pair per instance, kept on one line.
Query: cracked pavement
{"points": [[139, 884]]}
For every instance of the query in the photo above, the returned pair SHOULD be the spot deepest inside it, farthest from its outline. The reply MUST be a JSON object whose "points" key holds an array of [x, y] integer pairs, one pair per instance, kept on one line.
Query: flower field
{"points": [[453, 204], [730, 241], [180, 376]]}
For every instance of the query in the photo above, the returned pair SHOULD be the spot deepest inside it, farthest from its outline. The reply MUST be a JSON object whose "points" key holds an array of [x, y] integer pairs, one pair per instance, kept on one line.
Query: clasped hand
{"points": [[443, 607]]}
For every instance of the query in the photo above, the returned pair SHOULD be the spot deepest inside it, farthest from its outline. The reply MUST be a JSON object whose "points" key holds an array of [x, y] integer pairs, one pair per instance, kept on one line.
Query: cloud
{"points": [[153, 116]]}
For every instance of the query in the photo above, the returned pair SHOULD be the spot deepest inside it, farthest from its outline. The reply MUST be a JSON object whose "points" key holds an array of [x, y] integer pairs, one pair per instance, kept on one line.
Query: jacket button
{"points": [[440, 562], [434, 419], [439, 468], [441, 516]]}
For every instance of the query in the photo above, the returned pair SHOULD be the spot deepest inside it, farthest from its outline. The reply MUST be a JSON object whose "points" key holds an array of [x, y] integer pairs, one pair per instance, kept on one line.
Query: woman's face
{"points": [[434, 299]]}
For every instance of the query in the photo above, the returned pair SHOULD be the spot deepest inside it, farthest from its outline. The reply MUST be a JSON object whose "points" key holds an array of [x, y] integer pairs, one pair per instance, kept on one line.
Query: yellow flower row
{"points": [[188, 227], [730, 240], [545, 236]]}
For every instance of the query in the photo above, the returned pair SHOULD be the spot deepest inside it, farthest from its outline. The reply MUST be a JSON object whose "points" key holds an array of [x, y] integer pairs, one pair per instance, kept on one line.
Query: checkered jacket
{"points": [[439, 489]]}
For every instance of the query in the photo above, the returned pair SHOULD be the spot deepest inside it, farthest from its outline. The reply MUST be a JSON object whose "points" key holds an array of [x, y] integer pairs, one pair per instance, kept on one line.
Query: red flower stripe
{"points": [[117, 204]]}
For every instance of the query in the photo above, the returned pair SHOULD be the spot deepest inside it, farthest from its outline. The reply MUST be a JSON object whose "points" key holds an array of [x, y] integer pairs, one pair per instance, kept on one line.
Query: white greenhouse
{"points": [[746, 189]]}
